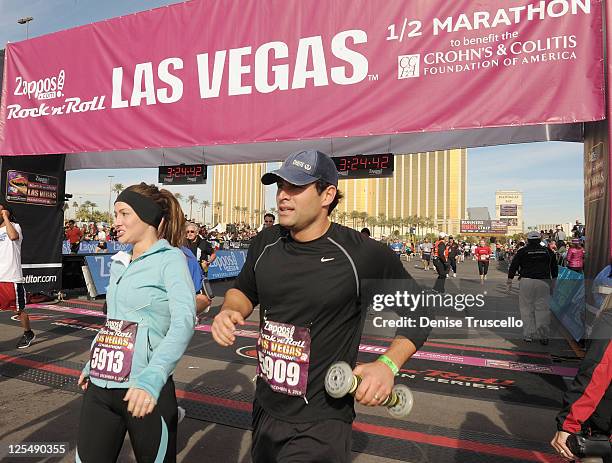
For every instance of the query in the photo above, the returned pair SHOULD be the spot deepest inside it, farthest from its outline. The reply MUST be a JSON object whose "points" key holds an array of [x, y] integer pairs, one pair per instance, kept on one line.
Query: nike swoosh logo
{"points": [[323, 259]]}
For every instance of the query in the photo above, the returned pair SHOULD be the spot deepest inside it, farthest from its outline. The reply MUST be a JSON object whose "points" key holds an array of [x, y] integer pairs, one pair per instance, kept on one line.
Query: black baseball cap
{"points": [[303, 168]]}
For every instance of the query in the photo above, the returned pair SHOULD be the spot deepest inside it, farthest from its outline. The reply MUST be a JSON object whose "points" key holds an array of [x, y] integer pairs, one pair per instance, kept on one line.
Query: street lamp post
{"points": [[110, 192], [26, 21]]}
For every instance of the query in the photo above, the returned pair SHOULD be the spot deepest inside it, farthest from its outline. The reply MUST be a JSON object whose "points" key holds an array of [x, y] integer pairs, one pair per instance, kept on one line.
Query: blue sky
{"points": [[550, 175]]}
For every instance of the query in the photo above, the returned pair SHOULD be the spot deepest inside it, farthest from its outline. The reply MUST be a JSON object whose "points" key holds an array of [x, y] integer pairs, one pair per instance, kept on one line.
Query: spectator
{"points": [[74, 236], [101, 237], [587, 404], [575, 256], [559, 235], [268, 219], [578, 230]]}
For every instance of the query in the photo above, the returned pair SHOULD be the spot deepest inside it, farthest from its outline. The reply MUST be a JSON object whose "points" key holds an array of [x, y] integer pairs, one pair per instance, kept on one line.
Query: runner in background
{"points": [[482, 254], [151, 316], [409, 250], [12, 291], [538, 269], [440, 261], [397, 247], [453, 252], [426, 248]]}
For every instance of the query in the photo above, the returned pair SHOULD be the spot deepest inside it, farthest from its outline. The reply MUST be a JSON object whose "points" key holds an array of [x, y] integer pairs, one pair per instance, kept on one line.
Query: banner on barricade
{"points": [[90, 247], [227, 264], [99, 269], [568, 302]]}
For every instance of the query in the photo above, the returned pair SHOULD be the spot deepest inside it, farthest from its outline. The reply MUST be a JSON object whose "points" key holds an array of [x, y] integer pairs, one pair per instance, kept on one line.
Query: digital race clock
{"points": [[182, 174], [365, 166]]}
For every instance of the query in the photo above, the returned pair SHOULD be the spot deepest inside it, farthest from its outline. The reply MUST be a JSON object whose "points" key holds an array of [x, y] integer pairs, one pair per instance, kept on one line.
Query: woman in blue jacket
{"points": [[150, 321]]}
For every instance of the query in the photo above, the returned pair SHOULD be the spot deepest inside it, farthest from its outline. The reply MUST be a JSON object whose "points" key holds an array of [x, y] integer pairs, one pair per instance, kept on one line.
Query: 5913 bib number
{"points": [[110, 361], [113, 350]]}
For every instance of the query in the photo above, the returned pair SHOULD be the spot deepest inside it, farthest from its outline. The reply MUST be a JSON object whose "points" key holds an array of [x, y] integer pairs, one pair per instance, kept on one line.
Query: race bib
{"points": [[113, 350], [484, 257], [283, 353]]}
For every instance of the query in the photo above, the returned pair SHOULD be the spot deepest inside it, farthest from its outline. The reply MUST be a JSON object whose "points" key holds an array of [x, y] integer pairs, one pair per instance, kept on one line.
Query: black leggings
{"points": [[483, 267], [105, 419]]}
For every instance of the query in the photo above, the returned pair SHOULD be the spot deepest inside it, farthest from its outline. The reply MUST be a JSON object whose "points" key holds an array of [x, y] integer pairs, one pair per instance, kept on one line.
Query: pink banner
{"points": [[202, 73]]}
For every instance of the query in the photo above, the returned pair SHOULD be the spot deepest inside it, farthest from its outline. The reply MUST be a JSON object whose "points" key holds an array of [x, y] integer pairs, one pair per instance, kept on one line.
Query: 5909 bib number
{"points": [[279, 370], [283, 354]]}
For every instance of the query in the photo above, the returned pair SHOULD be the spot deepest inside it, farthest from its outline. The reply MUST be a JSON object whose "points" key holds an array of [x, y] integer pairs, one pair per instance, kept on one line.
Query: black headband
{"points": [[147, 209]]}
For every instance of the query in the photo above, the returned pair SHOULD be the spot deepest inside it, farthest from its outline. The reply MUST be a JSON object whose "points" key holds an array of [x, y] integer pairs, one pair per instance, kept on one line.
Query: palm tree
{"points": [[118, 188], [430, 223], [244, 210], [393, 223], [402, 223], [178, 196], [384, 223], [382, 219], [204, 204], [256, 213], [417, 222], [218, 205], [372, 222], [363, 216], [342, 217], [191, 199], [237, 210], [354, 216]]}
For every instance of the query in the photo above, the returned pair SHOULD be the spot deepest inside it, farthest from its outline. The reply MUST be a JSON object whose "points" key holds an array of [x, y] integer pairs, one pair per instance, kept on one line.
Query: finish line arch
{"points": [[229, 85]]}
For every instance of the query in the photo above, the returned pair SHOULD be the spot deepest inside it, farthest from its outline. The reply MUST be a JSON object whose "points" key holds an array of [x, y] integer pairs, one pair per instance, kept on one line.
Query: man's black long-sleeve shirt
{"points": [[318, 285], [534, 261]]}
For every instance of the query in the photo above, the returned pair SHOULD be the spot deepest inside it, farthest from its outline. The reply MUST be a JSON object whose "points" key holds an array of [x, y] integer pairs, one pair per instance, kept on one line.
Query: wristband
{"points": [[387, 361]]}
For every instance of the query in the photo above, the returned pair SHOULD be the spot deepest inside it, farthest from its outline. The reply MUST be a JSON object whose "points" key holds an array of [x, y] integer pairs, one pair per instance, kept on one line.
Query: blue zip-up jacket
{"points": [[156, 291]]}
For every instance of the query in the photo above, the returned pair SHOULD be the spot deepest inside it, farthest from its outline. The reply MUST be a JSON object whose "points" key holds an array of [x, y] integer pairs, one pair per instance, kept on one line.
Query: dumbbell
{"points": [[340, 381]]}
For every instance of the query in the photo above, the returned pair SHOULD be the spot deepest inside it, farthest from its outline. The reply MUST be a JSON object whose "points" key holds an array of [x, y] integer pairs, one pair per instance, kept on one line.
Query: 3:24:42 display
{"points": [[365, 165]]}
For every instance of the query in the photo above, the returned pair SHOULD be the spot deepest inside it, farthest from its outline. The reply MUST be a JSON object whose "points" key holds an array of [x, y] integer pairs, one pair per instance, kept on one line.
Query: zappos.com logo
{"points": [[45, 88]]}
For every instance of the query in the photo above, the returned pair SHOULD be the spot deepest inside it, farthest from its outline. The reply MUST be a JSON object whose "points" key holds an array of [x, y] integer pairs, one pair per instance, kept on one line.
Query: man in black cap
{"points": [[310, 278], [537, 266]]}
